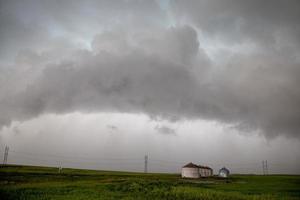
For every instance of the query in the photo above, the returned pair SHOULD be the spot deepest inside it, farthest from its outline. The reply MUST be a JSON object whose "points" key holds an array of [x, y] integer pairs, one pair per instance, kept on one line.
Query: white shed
{"points": [[190, 171]]}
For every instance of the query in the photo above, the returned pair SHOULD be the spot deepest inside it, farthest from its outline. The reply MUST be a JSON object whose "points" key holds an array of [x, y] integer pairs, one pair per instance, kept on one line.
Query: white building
{"points": [[192, 170], [224, 172]]}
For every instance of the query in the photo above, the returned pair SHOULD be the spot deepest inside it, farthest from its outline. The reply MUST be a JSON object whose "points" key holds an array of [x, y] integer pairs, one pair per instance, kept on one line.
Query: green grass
{"points": [[26, 182]]}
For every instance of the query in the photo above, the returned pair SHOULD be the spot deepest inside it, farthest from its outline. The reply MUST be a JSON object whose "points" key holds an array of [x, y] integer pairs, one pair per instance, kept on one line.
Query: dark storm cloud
{"points": [[258, 89], [163, 72], [135, 81], [35, 24], [263, 22]]}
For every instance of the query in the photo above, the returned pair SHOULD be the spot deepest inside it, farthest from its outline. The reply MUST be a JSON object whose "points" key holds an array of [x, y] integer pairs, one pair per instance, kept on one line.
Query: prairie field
{"points": [[33, 183]]}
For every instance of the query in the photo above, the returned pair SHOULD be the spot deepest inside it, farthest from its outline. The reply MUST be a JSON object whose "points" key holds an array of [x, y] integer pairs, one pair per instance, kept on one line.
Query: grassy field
{"points": [[24, 182]]}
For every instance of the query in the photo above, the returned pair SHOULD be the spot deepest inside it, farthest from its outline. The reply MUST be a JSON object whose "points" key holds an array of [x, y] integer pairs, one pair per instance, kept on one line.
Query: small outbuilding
{"points": [[190, 170], [224, 172]]}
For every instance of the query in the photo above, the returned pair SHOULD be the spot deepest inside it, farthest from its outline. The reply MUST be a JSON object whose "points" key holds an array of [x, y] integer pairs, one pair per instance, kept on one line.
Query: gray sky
{"points": [[99, 84]]}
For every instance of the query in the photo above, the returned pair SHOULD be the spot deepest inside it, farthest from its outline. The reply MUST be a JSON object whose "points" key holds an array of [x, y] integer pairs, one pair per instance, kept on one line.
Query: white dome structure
{"points": [[224, 172], [190, 171]]}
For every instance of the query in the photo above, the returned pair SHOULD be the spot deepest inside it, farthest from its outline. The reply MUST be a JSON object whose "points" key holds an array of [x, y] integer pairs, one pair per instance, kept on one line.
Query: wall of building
{"points": [[205, 172], [195, 172], [190, 173]]}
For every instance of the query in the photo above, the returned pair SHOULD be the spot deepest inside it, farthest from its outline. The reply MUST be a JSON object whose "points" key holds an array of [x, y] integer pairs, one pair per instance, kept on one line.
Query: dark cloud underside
{"points": [[137, 63]]}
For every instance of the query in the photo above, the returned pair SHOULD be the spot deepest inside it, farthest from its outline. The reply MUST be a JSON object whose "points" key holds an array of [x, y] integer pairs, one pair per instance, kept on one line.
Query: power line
{"points": [[167, 161], [78, 162], [76, 157], [131, 159], [123, 161]]}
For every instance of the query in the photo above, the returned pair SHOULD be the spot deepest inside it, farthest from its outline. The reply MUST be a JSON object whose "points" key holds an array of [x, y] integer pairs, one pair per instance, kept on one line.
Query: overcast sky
{"points": [[100, 84]]}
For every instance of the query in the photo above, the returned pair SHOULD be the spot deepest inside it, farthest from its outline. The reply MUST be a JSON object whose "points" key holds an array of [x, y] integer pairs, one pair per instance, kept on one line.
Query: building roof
{"points": [[204, 167], [224, 169], [190, 165]]}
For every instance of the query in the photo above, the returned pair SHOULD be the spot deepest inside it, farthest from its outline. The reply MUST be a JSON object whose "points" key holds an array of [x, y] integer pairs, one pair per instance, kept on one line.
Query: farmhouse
{"points": [[192, 170]]}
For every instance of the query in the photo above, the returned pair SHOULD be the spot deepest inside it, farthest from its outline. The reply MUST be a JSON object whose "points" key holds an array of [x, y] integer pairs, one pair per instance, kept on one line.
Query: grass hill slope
{"points": [[28, 182]]}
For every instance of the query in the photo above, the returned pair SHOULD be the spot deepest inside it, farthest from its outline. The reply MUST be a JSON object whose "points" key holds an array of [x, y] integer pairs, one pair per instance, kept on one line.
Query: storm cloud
{"points": [[147, 58]]}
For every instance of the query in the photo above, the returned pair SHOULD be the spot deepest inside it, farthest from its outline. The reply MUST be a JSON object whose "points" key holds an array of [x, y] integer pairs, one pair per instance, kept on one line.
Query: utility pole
{"points": [[146, 164], [59, 167], [265, 167], [5, 155]]}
